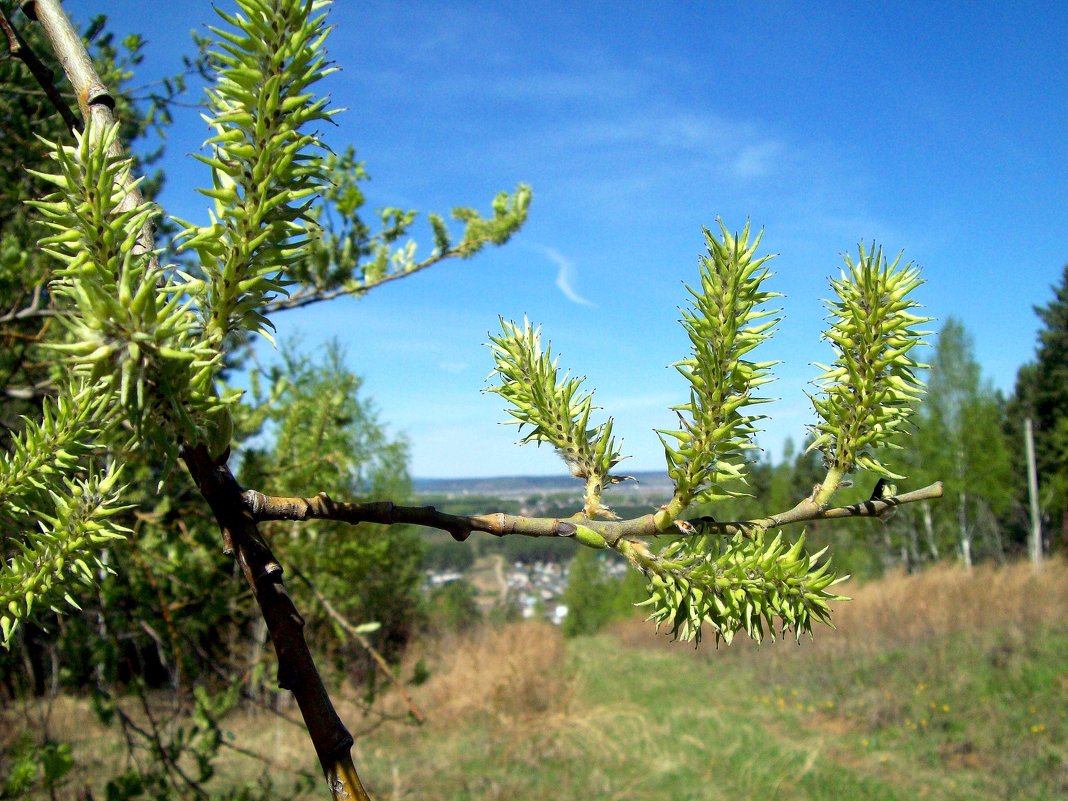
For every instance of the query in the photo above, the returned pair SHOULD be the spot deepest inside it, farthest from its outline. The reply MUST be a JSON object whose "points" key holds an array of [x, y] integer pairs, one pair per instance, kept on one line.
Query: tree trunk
{"points": [[929, 532]]}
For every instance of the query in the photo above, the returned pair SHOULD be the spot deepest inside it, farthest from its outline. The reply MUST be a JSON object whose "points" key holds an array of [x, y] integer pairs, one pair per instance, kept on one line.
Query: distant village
{"points": [[535, 589]]}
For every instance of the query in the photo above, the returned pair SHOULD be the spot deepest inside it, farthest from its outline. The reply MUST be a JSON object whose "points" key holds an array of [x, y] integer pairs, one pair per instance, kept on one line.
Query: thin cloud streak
{"points": [[565, 275]]}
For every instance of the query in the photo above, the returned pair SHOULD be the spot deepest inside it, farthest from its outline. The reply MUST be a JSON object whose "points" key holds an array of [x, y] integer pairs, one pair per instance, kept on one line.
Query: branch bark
{"points": [[296, 667], [262, 508]]}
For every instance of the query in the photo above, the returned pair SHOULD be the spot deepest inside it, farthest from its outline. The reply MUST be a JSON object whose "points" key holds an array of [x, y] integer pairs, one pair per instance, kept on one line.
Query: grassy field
{"points": [[946, 685]]}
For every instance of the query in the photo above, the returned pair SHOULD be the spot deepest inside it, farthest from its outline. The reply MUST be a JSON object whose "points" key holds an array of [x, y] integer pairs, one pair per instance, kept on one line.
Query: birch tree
{"points": [[960, 437]]}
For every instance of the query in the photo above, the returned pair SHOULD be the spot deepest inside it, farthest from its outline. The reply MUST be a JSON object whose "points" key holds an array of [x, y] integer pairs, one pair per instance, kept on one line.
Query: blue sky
{"points": [[934, 128]]}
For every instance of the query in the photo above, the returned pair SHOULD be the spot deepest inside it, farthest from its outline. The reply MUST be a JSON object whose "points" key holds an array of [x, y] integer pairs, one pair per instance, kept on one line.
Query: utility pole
{"points": [[1032, 491]]}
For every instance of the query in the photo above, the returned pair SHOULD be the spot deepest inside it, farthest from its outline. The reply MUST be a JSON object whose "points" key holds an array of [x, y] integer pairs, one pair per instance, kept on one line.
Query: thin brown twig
{"points": [[41, 73], [310, 295], [12, 39], [365, 643], [265, 759], [152, 735]]}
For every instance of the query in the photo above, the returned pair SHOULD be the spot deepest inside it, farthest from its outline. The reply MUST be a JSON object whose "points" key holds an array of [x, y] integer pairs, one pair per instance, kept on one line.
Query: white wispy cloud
{"points": [[565, 275], [758, 161]]}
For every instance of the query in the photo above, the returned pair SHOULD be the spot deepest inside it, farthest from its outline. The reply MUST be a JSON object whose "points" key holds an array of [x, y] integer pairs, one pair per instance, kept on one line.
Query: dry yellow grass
{"points": [[943, 600], [503, 679], [947, 599], [510, 673]]}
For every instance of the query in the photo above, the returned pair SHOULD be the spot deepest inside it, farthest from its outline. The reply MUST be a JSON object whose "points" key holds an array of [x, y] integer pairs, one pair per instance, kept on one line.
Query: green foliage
{"points": [[264, 165], [554, 406], [146, 342], [744, 583], [441, 554], [749, 581], [1042, 394], [509, 212], [453, 607], [594, 598], [867, 395], [958, 439], [31, 765], [724, 324], [145, 346], [347, 257], [137, 374], [323, 434], [130, 333], [63, 550], [29, 121], [69, 511], [177, 758]]}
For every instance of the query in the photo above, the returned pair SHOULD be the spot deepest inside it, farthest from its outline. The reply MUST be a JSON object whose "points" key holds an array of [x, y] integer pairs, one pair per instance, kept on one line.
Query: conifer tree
{"points": [[1042, 394]]}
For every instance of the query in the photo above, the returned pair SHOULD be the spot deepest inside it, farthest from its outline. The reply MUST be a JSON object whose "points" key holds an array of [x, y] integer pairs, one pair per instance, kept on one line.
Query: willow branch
{"points": [[322, 507], [264, 760], [309, 295], [809, 509], [296, 667], [94, 100]]}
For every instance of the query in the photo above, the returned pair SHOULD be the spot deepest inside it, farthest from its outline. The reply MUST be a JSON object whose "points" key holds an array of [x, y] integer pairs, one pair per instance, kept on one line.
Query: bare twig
{"points": [[310, 294], [164, 754], [322, 507], [364, 642], [38, 390], [264, 759], [35, 308], [13, 44], [41, 73]]}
